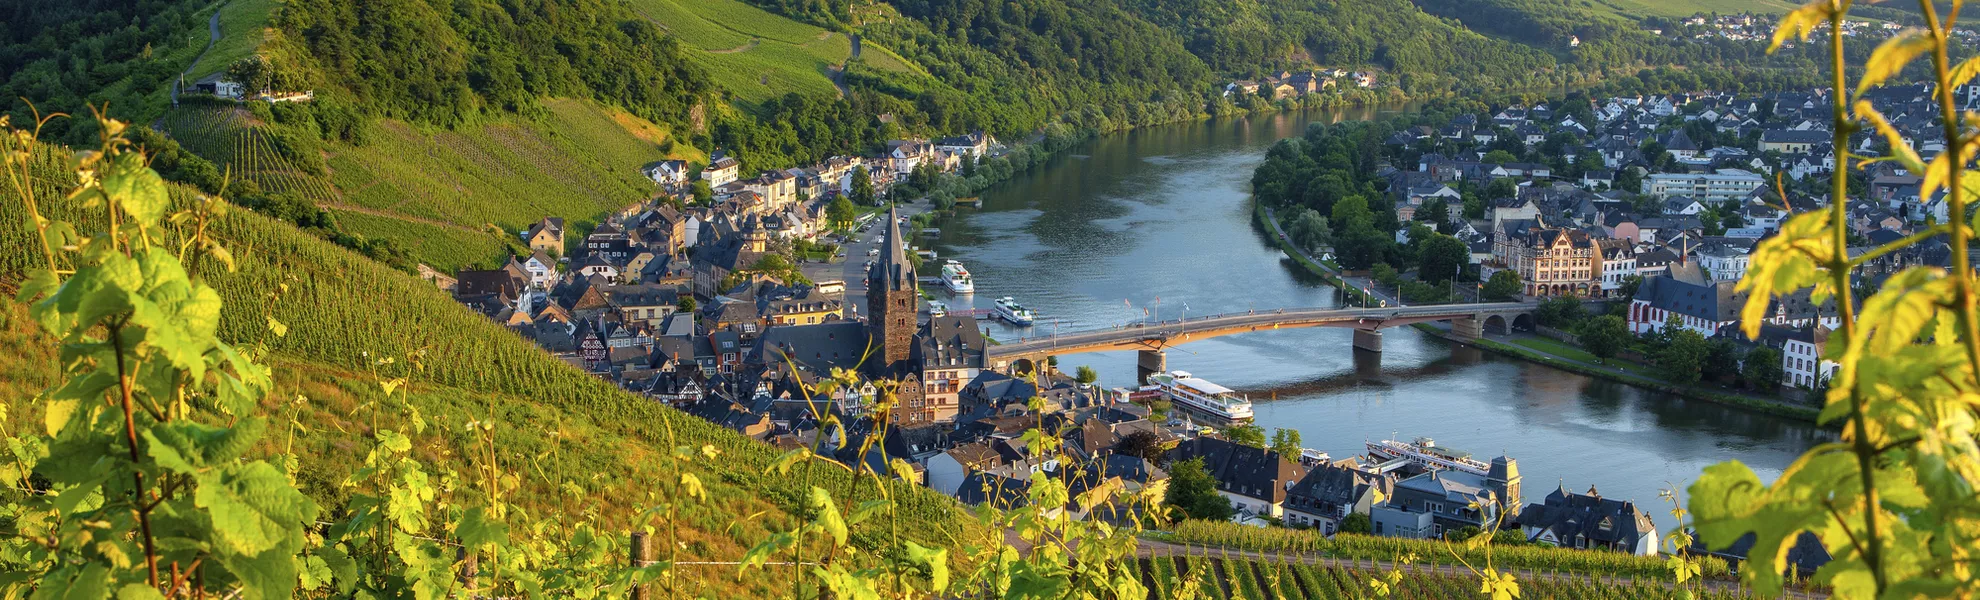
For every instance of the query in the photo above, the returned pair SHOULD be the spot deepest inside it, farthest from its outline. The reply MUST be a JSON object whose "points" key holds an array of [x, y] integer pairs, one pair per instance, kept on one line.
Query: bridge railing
{"points": [[1178, 325]]}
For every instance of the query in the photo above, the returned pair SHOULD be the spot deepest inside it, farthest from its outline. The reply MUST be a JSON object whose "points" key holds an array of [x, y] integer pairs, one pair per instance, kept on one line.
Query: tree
{"points": [[1246, 434], [1721, 360], [1286, 443], [1629, 179], [686, 305], [1628, 287], [1441, 258], [1761, 369], [1436, 211], [842, 212], [1682, 361], [1141, 443], [1352, 212], [1086, 375], [252, 73], [1357, 523], [703, 196], [1604, 336], [1310, 230], [1504, 285], [1498, 157], [1194, 492], [862, 189], [1363, 247], [1560, 312], [1474, 207], [1501, 188]]}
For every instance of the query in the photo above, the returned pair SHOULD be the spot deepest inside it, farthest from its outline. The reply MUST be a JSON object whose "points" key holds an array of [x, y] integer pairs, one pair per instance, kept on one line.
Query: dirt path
{"points": [[743, 48], [212, 37]]}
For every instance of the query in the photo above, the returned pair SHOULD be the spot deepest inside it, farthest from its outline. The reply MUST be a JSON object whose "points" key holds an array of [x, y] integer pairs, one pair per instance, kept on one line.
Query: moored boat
{"points": [[1202, 396], [1008, 309], [957, 278], [1426, 453]]}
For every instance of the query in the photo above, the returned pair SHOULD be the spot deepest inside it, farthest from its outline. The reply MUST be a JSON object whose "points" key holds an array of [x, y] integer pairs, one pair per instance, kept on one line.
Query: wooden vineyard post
{"points": [[642, 555]]}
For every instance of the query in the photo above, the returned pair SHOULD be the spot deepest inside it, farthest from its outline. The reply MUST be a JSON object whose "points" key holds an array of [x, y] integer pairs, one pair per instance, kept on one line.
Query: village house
{"points": [[1330, 492], [1254, 480], [1589, 521], [721, 170], [1427, 505], [547, 236]]}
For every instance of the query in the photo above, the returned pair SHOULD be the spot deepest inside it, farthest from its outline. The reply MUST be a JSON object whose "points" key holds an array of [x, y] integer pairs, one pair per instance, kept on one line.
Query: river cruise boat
{"points": [[1008, 309], [1197, 395], [957, 278], [1426, 453], [937, 309]]}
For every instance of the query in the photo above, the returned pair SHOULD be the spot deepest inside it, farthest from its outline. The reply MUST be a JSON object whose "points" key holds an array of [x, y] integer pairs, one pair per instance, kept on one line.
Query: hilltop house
{"points": [[546, 235]]}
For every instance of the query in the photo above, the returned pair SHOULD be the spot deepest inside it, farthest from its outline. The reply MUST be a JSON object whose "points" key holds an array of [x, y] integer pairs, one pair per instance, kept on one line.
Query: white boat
{"points": [[1202, 396], [1008, 309], [937, 308], [1426, 453], [957, 278]]}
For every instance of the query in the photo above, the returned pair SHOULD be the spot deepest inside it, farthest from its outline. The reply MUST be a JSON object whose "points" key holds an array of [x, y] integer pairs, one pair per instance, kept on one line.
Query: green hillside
{"points": [[573, 440], [437, 191]]}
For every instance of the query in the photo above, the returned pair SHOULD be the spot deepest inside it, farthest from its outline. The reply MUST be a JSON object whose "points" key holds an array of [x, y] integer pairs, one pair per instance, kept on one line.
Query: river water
{"points": [[1157, 222]]}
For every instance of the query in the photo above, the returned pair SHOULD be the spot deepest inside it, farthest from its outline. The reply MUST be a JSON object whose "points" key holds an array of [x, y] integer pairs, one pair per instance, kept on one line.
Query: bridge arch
{"points": [[1523, 322], [1496, 324], [1023, 366]]}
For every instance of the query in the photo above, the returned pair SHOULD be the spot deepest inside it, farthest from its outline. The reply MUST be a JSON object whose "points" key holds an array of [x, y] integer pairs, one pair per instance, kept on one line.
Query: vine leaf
{"points": [[827, 515], [1891, 57], [252, 506], [933, 562], [1801, 22], [1783, 264]]}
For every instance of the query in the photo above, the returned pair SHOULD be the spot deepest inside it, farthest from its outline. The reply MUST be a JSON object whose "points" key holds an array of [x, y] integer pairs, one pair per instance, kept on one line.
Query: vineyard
{"points": [[344, 313], [1365, 547], [1218, 578], [247, 150]]}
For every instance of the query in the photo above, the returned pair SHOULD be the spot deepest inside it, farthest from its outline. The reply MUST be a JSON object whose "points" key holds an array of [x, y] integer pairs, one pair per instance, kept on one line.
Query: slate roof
{"points": [[1242, 470], [1717, 303], [817, 348], [1605, 520]]}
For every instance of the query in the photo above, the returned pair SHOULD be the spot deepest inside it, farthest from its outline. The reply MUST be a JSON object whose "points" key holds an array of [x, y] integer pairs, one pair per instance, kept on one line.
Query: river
{"points": [[1158, 221]]}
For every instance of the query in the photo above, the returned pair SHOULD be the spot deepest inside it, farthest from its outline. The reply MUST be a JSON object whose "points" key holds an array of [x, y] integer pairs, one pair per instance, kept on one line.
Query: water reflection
{"points": [[1141, 225]]}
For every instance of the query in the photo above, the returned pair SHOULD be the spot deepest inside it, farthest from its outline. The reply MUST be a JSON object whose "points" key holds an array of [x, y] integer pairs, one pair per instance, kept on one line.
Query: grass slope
{"points": [[345, 311], [752, 53], [437, 192], [242, 25]]}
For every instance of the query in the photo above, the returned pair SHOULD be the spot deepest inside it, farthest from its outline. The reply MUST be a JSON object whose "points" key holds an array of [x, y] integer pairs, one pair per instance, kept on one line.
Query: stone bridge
{"points": [[1467, 321]]}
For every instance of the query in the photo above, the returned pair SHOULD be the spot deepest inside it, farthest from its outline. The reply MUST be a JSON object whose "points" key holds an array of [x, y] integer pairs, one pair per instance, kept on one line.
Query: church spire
{"points": [[892, 272]]}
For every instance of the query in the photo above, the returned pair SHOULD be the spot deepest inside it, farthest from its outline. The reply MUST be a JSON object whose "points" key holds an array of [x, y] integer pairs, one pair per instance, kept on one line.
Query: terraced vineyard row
{"points": [[1235, 579], [227, 137]]}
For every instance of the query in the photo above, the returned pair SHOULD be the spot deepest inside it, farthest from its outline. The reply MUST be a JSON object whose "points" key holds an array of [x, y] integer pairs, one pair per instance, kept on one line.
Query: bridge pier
{"points": [[1150, 362], [1468, 328], [1368, 339]]}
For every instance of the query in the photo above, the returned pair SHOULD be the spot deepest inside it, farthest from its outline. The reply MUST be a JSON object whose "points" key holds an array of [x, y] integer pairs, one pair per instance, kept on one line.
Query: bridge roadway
{"points": [[1153, 337]]}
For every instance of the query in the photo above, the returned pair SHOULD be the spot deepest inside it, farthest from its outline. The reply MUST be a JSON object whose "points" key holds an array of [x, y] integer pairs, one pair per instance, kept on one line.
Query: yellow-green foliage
{"points": [[1364, 547], [344, 312], [578, 160], [1250, 579]]}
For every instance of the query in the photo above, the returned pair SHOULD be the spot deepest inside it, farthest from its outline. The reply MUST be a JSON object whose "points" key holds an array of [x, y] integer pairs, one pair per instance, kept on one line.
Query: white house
{"points": [[667, 172], [1802, 364]]}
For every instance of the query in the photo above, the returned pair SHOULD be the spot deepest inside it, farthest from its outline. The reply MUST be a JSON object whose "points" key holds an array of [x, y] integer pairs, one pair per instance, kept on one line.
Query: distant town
{"points": [[700, 298]]}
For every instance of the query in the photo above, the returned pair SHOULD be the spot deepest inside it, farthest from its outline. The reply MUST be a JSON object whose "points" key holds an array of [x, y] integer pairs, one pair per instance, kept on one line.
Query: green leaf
{"points": [[934, 563], [476, 530], [867, 509], [782, 466], [827, 515], [253, 507], [393, 441], [1900, 150], [277, 328], [1966, 71], [692, 485], [1784, 263], [1891, 57], [76, 582], [1896, 315], [138, 190], [187, 447], [57, 415], [138, 591], [1800, 22], [762, 551]]}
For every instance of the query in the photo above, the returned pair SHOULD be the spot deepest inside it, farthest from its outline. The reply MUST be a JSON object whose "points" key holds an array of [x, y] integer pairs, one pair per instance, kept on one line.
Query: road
{"points": [[212, 37], [853, 269]]}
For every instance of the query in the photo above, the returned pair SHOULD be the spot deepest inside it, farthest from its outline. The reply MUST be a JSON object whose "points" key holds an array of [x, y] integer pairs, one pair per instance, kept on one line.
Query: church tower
{"points": [[892, 299]]}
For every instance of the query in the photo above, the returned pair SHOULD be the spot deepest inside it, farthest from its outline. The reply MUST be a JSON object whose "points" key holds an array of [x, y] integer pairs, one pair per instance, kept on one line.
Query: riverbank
{"points": [[1354, 290]]}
